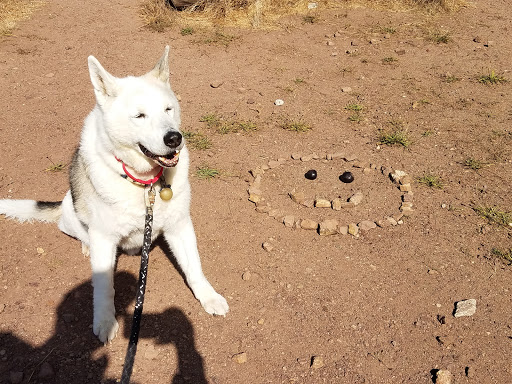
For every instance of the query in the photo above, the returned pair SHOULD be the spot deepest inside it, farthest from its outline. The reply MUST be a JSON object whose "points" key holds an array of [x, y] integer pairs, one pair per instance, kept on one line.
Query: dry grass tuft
{"points": [[12, 11], [267, 13]]}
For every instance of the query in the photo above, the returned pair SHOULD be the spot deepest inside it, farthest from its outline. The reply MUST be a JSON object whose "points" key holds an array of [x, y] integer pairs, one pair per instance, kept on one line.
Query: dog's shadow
{"points": [[69, 352]]}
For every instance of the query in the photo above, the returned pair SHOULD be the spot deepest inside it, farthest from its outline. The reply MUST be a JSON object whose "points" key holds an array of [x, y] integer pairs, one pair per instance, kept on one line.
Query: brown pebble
{"points": [[343, 229], [328, 227], [309, 224], [322, 203], [246, 276], [353, 229], [444, 376], [288, 221], [317, 362], [240, 358]]}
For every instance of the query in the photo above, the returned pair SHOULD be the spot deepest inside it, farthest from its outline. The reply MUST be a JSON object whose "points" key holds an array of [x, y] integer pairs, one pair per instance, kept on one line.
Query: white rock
{"points": [[279, 102], [465, 308]]}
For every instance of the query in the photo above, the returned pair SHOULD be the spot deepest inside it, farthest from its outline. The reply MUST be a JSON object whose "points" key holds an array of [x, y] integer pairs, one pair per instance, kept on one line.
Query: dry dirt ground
{"points": [[377, 308]]}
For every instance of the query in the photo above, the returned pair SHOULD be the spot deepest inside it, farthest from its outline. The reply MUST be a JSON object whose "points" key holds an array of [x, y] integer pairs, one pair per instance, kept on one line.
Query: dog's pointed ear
{"points": [[103, 82], [161, 69]]}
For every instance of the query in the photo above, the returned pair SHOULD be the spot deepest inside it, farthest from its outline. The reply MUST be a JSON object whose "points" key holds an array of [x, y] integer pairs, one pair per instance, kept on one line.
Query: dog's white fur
{"points": [[104, 210]]}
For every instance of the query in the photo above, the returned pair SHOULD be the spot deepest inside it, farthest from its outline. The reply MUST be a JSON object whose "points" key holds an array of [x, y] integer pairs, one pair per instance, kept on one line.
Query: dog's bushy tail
{"points": [[30, 210]]}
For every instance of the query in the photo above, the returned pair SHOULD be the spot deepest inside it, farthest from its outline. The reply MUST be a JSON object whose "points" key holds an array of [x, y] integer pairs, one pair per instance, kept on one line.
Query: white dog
{"points": [[129, 139]]}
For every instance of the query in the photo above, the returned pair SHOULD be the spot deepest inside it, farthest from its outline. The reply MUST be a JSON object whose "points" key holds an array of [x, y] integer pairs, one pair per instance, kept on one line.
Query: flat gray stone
{"points": [[465, 308]]}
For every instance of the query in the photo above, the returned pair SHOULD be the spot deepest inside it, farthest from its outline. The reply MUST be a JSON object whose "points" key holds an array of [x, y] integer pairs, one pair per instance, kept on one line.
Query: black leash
{"points": [[139, 300]]}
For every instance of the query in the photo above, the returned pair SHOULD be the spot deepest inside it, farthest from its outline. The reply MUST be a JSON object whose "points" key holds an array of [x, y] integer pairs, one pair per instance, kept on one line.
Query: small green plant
{"points": [[55, 167], [197, 140], [354, 107], [299, 80], [187, 31], [494, 215], [226, 126], [296, 126], [389, 30], [389, 60], [207, 173], [355, 118], [431, 181], [503, 255], [474, 164], [492, 78], [440, 37], [449, 78], [211, 120], [427, 133], [397, 135]]}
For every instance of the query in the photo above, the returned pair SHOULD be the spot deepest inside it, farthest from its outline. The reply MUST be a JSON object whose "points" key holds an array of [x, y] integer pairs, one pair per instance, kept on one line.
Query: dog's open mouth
{"points": [[170, 160]]}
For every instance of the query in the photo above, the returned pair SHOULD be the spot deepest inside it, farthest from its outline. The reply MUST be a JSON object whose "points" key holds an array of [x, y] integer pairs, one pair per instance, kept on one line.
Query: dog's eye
{"points": [[168, 109], [140, 115]]}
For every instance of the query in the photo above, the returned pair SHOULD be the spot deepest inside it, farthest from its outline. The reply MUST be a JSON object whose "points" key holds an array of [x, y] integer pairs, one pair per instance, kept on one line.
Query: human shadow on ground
{"points": [[69, 352]]}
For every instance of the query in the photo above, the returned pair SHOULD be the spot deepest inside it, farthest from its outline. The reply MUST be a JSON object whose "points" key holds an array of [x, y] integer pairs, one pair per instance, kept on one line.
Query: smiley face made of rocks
{"points": [[399, 180]]}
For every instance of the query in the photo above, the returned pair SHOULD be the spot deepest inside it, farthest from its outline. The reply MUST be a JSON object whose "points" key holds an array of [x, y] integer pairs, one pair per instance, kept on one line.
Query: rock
{"points": [[296, 156], [400, 51], [288, 221], [407, 198], [308, 224], [309, 203], [279, 102], [257, 172], [317, 362], [397, 175], [353, 229], [267, 246], [392, 220], [40, 250], [328, 227], [350, 157], [261, 321], [444, 376], [273, 164], [405, 180], [407, 211], [405, 187], [306, 158], [251, 101], [246, 276], [346, 205], [240, 358], [336, 204], [343, 229], [297, 197], [328, 156], [16, 377], [383, 223], [254, 190], [322, 203], [366, 225], [263, 208], [330, 43], [255, 198], [346, 89], [477, 39], [465, 308], [338, 155], [367, 171], [46, 371], [356, 198], [216, 84], [276, 214]]}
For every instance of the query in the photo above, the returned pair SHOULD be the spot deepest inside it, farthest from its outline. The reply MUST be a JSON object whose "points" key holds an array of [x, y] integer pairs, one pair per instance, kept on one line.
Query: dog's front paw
{"points": [[213, 303], [105, 327]]}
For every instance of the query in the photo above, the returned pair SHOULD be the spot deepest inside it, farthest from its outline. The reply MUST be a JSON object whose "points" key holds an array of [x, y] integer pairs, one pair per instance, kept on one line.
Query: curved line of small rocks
{"points": [[400, 179]]}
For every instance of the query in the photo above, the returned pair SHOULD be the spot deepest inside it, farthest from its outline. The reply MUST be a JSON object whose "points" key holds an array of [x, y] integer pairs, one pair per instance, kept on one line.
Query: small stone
{"points": [[328, 156], [254, 190], [444, 376], [328, 227], [356, 198], [397, 175], [267, 246], [309, 203], [366, 225], [273, 164], [16, 377], [46, 371], [358, 164], [216, 84], [367, 171], [343, 229], [279, 102], [251, 101], [336, 204], [296, 156], [477, 39], [465, 308], [347, 205], [240, 358], [263, 208], [40, 250], [317, 362], [51, 74], [392, 220], [306, 158], [246, 276], [405, 187], [309, 224], [383, 223], [338, 155], [405, 179], [400, 52], [407, 198], [350, 157], [322, 203], [257, 172], [297, 197], [261, 321], [346, 177], [407, 204], [330, 43], [346, 89], [276, 214], [312, 5], [257, 181], [407, 211], [353, 229], [397, 216], [255, 198], [311, 174], [288, 221]]}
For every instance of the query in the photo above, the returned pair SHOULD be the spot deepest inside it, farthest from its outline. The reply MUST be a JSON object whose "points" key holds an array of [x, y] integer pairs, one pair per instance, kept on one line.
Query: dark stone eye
{"points": [[140, 116], [311, 174], [347, 177]]}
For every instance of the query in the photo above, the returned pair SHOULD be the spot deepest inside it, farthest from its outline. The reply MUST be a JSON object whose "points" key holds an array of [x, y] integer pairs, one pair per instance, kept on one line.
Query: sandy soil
{"points": [[377, 308]]}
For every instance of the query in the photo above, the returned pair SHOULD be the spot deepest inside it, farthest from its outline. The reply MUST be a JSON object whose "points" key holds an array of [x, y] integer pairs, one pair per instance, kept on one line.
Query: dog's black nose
{"points": [[172, 139]]}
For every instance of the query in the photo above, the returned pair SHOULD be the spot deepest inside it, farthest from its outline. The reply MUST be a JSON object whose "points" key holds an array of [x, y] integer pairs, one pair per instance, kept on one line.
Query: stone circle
{"points": [[400, 179]]}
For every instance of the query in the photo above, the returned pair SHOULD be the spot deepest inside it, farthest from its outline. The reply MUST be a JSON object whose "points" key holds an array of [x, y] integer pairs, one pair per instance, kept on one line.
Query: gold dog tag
{"points": [[166, 193]]}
